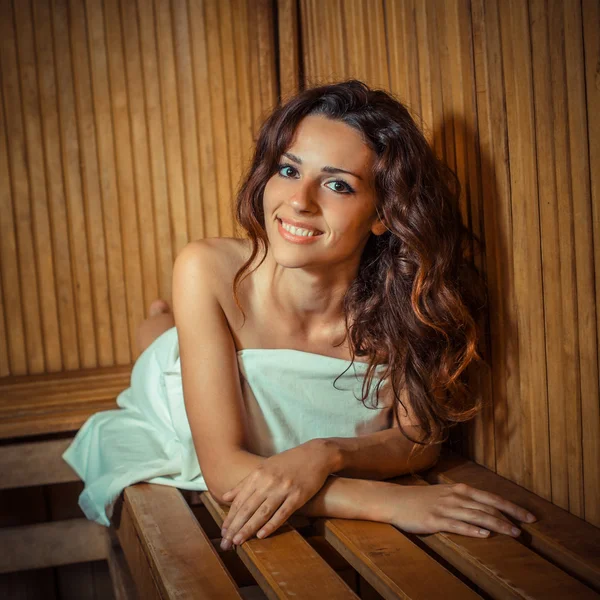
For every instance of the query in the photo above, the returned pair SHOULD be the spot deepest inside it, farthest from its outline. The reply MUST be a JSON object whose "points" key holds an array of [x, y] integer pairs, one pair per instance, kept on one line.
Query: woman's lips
{"points": [[296, 239]]}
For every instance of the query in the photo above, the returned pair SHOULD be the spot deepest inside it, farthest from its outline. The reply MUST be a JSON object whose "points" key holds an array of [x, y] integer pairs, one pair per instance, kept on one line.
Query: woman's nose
{"points": [[303, 198]]}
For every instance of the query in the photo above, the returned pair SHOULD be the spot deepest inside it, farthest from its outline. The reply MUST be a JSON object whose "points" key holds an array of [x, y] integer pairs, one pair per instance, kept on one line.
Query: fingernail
{"points": [[225, 544], [237, 539], [484, 532], [515, 531], [530, 517], [223, 532]]}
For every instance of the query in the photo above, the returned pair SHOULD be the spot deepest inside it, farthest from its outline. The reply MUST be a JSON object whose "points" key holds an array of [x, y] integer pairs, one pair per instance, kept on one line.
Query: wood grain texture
{"points": [[164, 545], [563, 538], [130, 126], [281, 561], [504, 93], [390, 562]]}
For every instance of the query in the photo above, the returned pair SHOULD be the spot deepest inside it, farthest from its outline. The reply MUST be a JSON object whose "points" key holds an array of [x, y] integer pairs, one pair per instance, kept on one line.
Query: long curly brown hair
{"points": [[414, 306]]}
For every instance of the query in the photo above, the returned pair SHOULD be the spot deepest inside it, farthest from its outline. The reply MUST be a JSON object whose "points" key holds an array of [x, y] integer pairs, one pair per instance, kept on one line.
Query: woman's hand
{"points": [[454, 508], [267, 497]]}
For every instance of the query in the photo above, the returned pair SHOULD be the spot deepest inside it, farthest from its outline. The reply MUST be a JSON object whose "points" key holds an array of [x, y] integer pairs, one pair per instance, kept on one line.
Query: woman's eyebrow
{"points": [[327, 169]]}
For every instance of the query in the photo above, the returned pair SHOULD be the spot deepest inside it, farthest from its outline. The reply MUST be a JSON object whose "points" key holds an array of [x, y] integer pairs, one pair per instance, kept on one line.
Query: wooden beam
{"points": [[52, 544], [558, 535], [285, 564], [391, 563], [168, 553], [35, 463]]}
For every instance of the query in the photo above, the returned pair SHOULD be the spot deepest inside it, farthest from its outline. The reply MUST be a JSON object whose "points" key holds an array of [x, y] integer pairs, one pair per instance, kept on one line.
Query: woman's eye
{"points": [[343, 189], [287, 171], [284, 170]]}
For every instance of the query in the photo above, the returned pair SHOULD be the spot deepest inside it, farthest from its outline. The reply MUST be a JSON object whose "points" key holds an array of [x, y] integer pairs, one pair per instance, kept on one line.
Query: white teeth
{"points": [[297, 231]]}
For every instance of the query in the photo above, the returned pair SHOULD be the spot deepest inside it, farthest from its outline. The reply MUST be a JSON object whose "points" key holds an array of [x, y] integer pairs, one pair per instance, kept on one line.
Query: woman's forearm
{"points": [[345, 498], [379, 455]]}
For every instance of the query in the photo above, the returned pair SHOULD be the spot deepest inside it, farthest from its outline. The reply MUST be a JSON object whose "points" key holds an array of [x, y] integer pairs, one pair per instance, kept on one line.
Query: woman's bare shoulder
{"points": [[226, 255]]}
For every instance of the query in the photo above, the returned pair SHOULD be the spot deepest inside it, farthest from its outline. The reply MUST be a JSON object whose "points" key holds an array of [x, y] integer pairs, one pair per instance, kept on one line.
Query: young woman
{"points": [[327, 352]]}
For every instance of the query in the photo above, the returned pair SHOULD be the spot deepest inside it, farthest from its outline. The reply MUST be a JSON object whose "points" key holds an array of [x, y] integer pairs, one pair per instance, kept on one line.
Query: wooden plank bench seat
{"points": [[33, 405], [174, 548]]}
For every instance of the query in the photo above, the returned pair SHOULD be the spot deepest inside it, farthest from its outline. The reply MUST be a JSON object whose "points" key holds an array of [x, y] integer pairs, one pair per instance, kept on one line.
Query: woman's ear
{"points": [[378, 227]]}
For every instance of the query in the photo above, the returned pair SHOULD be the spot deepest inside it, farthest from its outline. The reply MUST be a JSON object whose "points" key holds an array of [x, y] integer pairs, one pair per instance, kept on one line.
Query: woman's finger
{"points": [[258, 520], [454, 526], [283, 513], [516, 511], [482, 520], [468, 503], [240, 499], [243, 515]]}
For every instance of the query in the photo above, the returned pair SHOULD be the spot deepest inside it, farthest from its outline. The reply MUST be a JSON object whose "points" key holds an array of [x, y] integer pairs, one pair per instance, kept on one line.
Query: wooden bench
{"points": [[170, 541], [39, 416], [164, 543]]}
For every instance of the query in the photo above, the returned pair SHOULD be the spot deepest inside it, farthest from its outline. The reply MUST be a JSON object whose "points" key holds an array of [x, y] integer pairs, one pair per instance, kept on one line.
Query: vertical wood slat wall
{"points": [[507, 93], [125, 127]]}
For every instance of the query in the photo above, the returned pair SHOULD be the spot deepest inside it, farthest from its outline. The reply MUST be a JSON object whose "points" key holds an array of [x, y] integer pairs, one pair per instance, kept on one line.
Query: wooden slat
{"points": [[391, 563], [289, 66], [168, 553], [36, 463], [156, 145], [502, 566], [120, 575], [58, 402], [562, 537], [82, 185], [52, 544], [280, 563], [123, 156]]}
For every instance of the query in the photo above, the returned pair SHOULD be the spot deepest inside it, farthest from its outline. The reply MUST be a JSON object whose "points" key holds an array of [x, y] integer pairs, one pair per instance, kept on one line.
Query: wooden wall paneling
{"points": [[306, 33], [404, 57], [429, 75], [336, 35], [4, 359], [171, 124], [376, 46], [241, 36], [480, 435], [21, 192], [13, 350], [591, 35], [530, 408], [584, 255], [219, 118], [289, 51], [556, 237], [231, 100], [44, 266], [156, 139], [66, 343], [112, 211], [591, 39], [142, 178], [188, 118], [445, 83], [83, 196], [257, 116], [269, 87], [425, 118], [127, 200], [356, 41], [202, 82], [497, 226]]}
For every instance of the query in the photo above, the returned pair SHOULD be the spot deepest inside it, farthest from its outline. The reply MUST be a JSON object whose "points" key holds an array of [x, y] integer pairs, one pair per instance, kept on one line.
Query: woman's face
{"points": [[323, 183]]}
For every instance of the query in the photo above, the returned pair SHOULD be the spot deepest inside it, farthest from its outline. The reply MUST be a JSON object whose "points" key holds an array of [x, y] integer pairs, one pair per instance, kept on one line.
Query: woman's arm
{"points": [[379, 455]]}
